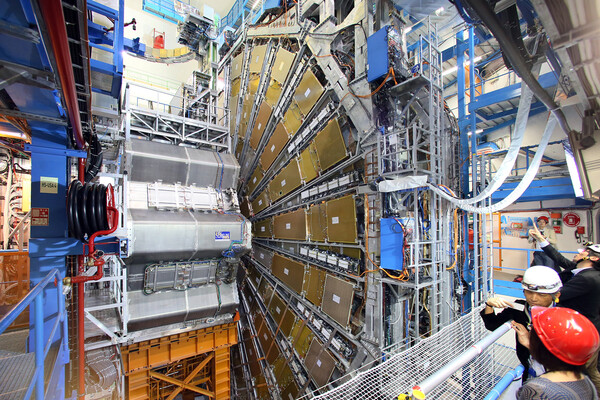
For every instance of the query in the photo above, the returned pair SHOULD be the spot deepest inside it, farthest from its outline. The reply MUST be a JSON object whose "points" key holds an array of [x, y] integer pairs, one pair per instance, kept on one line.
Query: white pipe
{"points": [[446, 371], [527, 178], [510, 158]]}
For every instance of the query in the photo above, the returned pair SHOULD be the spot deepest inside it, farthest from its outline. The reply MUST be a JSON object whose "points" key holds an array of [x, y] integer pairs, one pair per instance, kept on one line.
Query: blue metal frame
{"points": [[42, 345]]}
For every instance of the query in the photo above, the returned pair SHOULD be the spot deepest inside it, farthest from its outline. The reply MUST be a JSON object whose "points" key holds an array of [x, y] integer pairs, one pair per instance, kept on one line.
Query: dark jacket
{"points": [[580, 292], [494, 321]]}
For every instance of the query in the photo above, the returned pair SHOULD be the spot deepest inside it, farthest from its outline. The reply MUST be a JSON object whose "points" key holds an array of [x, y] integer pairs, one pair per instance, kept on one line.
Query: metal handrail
{"points": [[36, 295]]}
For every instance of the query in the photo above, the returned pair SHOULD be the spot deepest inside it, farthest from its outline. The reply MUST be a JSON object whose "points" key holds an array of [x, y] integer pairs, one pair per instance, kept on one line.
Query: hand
{"points": [[522, 333], [536, 234], [497, 302]]}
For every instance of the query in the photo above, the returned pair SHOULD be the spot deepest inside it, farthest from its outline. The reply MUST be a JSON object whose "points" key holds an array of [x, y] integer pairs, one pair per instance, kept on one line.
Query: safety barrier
{"points": [[36, 296], [402, 369]]}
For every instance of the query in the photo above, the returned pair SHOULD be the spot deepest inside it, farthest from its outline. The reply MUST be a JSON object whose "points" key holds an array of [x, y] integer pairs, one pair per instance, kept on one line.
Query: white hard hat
{"points": [[541, 279]]}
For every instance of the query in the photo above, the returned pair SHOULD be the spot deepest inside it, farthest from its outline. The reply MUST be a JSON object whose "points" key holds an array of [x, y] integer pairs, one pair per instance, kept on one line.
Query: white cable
{"points": [[510, 158], [527, 178]]}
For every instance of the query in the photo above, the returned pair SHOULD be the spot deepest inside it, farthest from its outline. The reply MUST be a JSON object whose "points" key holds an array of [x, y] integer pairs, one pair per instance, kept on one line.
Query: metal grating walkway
{"points": [[16, 373]]}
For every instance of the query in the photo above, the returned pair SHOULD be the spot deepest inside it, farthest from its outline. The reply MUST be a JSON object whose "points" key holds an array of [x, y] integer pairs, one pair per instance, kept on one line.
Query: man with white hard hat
{"points": [[541, 287]]}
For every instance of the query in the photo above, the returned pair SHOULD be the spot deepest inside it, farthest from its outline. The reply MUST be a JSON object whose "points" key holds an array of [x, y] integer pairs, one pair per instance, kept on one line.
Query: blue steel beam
{"points": [[506, 113], [547, 80], [539, 190], [511, 121]]}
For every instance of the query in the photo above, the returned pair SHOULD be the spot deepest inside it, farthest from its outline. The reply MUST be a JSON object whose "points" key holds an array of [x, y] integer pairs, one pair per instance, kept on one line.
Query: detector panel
{"points": [[286, 181], [290, 225], [292, 119], [337, 299], [289, 272], [317, 222], [255, 179], [273, 93], [264, 256], [259, 126], [309, 163], [236, 66], [256, 59], [274, 146], [308, 92], [315, 285], [263, 228], [261, 202], [282, 65], [341, 220], [330, 144], [319, 362]]}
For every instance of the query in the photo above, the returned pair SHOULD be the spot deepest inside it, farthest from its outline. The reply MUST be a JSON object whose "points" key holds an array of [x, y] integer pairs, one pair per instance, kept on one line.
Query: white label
{"points": [[306, 313], [304, 251], [318, 363], [278, 310], [262, 256], [291, 249], [281, 66], [283, 182], [307, 92], [48, 184], [260, 202], [272, 148], [332, 260], [288, 226], [265, 336], [343, 264], [262, 228], [286, 271], [336, 298], [259, 125], [257, 58], [335, 220], [312, 253], [254, 180], [289, 394]]}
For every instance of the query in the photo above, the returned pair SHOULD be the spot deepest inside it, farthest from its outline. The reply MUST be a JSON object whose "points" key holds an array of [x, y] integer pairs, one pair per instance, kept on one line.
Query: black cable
{"points": [[490, 20], [94, 159], [86, 209]]}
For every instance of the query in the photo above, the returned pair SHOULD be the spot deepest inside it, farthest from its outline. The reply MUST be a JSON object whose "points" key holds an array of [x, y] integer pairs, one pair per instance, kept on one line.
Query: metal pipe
{"points": [[446, 371], [505, 383], [52, 12], [489, 18], [38, 310]]}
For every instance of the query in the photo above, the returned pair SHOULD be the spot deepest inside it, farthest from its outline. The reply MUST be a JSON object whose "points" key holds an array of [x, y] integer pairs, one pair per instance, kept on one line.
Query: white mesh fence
{"points": [[403, 369]]}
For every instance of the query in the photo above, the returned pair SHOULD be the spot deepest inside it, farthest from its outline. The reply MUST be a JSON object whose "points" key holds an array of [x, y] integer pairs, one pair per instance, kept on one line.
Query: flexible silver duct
{"points": [[527, 178], [510, 159]]}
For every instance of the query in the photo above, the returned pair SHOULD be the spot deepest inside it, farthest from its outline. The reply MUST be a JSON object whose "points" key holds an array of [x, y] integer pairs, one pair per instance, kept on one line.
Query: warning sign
{"points": [[40, 216], [571, 219]]}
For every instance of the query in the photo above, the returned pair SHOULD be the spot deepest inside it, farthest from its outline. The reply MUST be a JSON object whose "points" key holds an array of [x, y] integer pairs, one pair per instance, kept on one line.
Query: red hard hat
{"points": [[544, 218], [566, 333]]}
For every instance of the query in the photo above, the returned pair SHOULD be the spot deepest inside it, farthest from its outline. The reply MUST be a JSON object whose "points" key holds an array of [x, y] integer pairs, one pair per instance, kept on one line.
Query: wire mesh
{"points": [[403, 369]]}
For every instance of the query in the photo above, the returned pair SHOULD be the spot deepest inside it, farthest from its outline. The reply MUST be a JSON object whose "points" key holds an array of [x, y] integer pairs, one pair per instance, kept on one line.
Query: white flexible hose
{"points": [[510, 158], [527, 178]]}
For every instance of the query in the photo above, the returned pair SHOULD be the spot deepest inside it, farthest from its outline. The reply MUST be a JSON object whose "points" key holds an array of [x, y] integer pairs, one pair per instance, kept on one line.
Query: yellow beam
{"points": [[191, 376], [179, 383]]}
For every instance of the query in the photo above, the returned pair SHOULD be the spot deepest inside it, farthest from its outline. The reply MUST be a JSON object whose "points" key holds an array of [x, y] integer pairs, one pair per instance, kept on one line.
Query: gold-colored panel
{"points": [[273, 353], [292, 119], [264, 256], [273, 93], [265, 290], [341, 220], [265, 338], [286, 181], [253, 274], [236, 66], [283, 375], [330, 145], [316, 283], [258, 321], [319, 363], [263, 228], [289, 272], [255, 179], [282, 65], [277, 308], [309, 163], [287, 323], [290, 392], [301, 337], [235, 87], [351, 252], [308, 92], [259, 126], [290, 225], [337, 299], [239, 148], [256, 58], [261, 202], [317, 222], [274, 146]]}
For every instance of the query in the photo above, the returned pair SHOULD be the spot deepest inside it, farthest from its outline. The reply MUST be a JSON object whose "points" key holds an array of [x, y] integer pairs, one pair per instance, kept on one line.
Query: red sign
{"points": [[40, 216], [571, 219]]}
